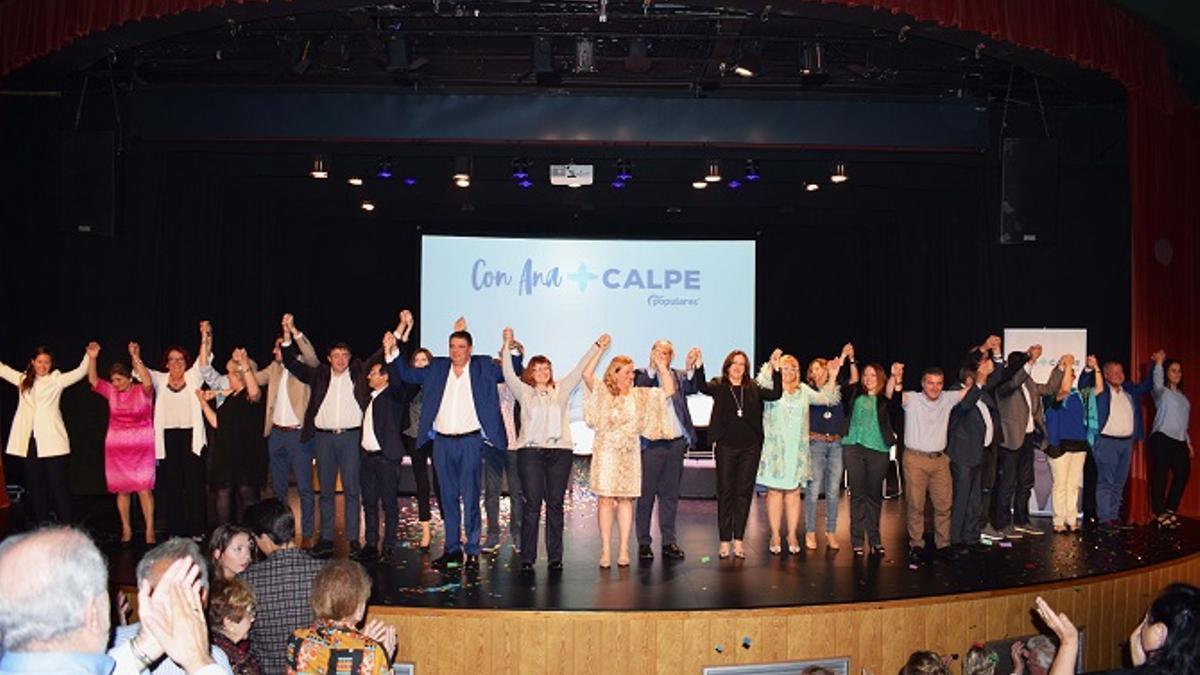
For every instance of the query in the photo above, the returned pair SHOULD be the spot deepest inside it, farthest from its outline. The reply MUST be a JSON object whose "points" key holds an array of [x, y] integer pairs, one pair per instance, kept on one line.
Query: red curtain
{"points": [[1164, 137]]}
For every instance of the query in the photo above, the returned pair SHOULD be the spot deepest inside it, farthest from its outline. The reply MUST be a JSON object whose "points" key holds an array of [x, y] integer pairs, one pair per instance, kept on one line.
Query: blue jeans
{"points": [[459, 464], [826, 466], [338, 453], [1112, 470], [287, 451]]}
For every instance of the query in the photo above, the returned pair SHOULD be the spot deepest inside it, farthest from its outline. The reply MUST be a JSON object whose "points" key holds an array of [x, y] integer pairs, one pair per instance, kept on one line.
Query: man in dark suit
{"points": [[974, 427], [333, 421], [662, 461], [384, 422], [460, 413]]}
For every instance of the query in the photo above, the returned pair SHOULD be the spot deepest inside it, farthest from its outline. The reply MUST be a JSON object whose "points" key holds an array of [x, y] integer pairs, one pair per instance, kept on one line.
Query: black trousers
{"points": [[545, 473], [1169, 463], [379, 480], [987, 483], [968, 503], [737, 467], [46, 478], [180, 486], [865, 469], [662, 469], [227, 497], [1090, 479], [422, 461], [1014, 484]]}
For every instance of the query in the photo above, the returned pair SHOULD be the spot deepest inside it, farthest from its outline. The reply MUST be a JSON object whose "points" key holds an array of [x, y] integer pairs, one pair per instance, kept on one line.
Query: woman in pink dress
{"points": [[129, 446]]}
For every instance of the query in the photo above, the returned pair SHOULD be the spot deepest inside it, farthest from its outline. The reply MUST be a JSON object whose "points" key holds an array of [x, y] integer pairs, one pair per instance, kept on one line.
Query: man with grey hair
{"points": [[1034, 656], [150, 570], [54, 610]]}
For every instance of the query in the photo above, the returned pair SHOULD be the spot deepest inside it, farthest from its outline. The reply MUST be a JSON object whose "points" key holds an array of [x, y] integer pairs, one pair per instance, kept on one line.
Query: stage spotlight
{"points": [[462, 171], [575, 186], [742, 71], [714, 171], [734, 184], [624, 170], [699, 184], [319, 170], [383, 168], [618, 184], [355, 181], [525, 184], [752, 170], [839, 173], [410, 181], [520, 168], [367, 205], [812, 187]]}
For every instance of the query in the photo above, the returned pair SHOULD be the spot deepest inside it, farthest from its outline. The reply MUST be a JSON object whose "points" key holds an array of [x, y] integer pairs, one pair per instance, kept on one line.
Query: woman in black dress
{"points": [[736, 428], [238, 459]]}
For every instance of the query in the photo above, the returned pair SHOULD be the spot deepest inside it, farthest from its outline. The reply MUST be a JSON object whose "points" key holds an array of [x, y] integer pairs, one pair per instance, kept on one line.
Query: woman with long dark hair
{"points": [[129, 464], [237, 456], [38, 434], [736, 427], [1171, 449]]}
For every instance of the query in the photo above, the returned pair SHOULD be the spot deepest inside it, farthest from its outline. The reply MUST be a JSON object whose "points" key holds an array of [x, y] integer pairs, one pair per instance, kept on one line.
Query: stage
{"points": [[705, 582]]}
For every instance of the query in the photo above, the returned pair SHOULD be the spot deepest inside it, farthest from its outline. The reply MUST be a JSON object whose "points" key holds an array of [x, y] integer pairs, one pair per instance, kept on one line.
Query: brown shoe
{"points": [[831, 541], [810, 541]]}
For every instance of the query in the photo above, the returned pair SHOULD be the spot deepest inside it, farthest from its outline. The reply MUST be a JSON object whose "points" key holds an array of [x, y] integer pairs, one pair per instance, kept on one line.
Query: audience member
{"points": [[230, 551], [925, 663], [980, 660], [334, 644], [231, 609], [54, 610], [150, 570], [281, 583]]}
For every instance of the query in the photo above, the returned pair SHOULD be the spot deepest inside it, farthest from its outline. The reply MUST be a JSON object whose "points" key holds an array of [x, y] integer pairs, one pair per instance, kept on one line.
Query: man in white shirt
{"points": [[1119, 416], [333, 421]]}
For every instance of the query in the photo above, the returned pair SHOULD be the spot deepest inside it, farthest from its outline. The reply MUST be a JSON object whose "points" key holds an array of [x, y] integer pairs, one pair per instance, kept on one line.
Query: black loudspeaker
{"points": [[1029, 191], [89, 183]]}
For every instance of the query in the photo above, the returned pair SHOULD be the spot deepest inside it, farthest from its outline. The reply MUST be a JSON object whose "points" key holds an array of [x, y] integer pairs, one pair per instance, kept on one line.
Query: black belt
{"points": [[469, 433], [1116, 438], [930, 455], [337, 432]]}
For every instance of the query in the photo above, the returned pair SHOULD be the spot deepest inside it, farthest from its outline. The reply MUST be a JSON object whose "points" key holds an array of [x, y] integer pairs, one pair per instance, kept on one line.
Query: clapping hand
{"points": [[1058, 622], [382, 633]]}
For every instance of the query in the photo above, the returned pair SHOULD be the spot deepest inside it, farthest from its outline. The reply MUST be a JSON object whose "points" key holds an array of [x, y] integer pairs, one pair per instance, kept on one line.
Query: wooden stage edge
{"points": [[874, 635]]}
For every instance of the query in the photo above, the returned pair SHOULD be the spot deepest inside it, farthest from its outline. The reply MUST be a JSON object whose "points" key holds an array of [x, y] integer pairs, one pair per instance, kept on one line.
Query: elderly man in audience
{"points": [[54, 611], [150, 570], [282, 583]]}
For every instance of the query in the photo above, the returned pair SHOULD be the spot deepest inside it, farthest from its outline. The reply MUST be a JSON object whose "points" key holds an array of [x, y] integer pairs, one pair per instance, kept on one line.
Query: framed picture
{"points": [[403, 669]]}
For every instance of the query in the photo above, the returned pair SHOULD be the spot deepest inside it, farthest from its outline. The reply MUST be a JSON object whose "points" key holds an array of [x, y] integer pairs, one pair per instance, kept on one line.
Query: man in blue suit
{"points": [[461, 412], [662, 461], [1119, 418]]}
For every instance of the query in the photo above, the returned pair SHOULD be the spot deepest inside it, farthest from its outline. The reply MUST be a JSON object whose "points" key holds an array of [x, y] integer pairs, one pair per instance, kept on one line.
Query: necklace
{"points": [[739, 396]]}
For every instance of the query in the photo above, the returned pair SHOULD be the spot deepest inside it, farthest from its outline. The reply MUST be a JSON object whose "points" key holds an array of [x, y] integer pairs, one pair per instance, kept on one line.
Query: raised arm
{"points": [[776, 391], [206, 407], [848, 357], [588, 371], [139, 367], [514, 382], [895, 383], [1145, 386], [10, 374], [92, 375], [79, 372], [204, 354], [1157, 375], [692, 381], [246, 367], [666, 379], [830, 394], [567, 384], [1091, 377]]}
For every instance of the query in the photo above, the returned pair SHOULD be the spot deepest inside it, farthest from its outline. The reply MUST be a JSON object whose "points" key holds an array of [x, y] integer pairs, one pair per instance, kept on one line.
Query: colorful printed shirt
{"points": [[331, 648]]}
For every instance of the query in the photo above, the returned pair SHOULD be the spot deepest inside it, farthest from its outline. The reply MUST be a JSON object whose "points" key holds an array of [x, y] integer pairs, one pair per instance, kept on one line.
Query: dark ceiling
{"points": [[695, 49]]}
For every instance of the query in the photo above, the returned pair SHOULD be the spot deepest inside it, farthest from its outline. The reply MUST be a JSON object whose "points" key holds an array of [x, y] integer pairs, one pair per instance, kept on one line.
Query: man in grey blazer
{"points": [[1023, 424]]}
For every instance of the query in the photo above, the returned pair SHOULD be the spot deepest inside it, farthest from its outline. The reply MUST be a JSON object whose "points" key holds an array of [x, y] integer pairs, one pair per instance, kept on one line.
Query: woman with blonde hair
{"points": [[621, 415], [784, 465]]}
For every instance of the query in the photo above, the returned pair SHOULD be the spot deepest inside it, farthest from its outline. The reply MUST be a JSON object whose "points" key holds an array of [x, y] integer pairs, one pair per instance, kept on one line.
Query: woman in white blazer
{"points": [[38, 434], [179, 439]]}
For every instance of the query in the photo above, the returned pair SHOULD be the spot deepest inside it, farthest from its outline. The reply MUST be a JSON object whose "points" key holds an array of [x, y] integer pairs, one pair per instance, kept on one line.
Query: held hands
{"points": [[93, 349], [693, 358], [1092, 363], [1066, 361], [991, 344], [206, 331], [506, 339], [835, 364], [389, 342], [898, 372], [241, 358], [662, 363], [460, 324], [135, 351], [1159, 356], [775, 357], [406, 319], [604, 341], [848, 351], [206, 395], [1034, 352]]}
